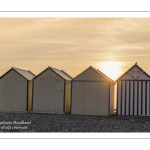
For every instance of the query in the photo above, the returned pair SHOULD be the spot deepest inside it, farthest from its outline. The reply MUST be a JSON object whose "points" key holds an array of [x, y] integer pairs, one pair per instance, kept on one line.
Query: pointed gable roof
{"points": [[27, 74], [92, 74], [129, 71], [61, 73]]}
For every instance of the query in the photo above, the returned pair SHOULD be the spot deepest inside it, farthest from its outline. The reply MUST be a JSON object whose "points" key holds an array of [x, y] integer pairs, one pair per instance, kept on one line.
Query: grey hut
{"points": [[51, 91], [16, 90], [92, 93], [133, 92]]}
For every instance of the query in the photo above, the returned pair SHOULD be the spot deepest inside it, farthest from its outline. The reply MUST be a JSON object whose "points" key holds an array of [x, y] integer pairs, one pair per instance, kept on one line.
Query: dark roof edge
{"points": [[31, 73], [66, 74], [19, 69], [81, 73], [58, 74], [24, 70], [51, 68], [41, 73], [6, 73], [60, 71], [105, 76], [20, 74], [15, 71]]}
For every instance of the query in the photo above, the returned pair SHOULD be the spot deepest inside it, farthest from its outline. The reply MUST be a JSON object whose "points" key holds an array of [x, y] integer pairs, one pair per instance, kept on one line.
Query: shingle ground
{"points": [[35, 122]]}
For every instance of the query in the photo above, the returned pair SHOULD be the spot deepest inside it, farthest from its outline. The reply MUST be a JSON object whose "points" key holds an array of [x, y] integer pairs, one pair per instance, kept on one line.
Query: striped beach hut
{"points": [[133, 92], [92, 93], [16, 90], [51, 91]]}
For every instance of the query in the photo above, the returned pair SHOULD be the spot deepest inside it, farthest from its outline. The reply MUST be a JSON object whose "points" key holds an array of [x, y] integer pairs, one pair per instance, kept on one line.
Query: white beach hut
{"points": [[16, 90], [92, 93], [133, 92], [51, 91]]}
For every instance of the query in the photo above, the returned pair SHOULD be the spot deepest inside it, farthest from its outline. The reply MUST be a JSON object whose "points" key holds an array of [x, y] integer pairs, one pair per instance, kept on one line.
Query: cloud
{"points": [[73, 44]]}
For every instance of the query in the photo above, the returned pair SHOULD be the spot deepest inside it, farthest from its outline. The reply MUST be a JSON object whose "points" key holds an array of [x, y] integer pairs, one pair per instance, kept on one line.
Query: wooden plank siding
{"points": [[134, 98], [13, 93]]}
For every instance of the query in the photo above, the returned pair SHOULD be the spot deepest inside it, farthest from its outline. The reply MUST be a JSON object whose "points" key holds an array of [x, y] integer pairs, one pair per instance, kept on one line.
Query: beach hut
{"points": [[16, 90], [133, 92], [51, 91], [92, 93]]}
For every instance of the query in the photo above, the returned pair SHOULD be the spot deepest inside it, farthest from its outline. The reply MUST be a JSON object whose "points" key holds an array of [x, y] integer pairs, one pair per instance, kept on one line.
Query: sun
{"points": [[111, 68]]}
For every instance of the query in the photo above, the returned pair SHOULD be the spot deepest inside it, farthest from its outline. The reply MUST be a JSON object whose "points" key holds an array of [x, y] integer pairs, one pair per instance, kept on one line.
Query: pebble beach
{"points": [[36, 122]]}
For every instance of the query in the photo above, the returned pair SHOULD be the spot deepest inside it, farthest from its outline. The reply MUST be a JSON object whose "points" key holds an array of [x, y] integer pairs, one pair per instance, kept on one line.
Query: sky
{"points": [[112, 45]]}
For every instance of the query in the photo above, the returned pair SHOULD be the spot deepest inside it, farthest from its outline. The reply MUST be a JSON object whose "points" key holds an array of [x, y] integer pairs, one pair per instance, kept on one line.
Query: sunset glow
{"points": [[111, 68], [111, 45]]}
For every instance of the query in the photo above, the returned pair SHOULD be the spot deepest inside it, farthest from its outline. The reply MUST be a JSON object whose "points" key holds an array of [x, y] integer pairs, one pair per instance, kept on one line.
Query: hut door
{"points": [[49, 95], [59, 96], [59, 101], [22, 101], [90, 98]]}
